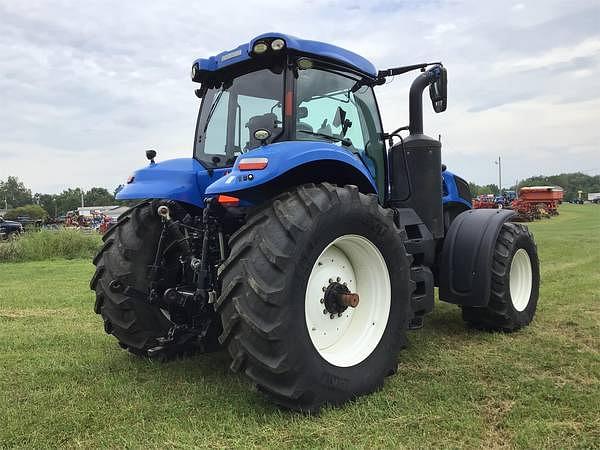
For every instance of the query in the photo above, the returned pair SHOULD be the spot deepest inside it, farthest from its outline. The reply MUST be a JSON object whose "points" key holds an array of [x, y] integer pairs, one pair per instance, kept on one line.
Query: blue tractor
{"points": [[300, 235]]}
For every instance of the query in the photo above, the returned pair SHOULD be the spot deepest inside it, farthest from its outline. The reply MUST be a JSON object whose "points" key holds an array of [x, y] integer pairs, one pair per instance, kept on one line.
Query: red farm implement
{"points": [[536, 202], [485, 201]]}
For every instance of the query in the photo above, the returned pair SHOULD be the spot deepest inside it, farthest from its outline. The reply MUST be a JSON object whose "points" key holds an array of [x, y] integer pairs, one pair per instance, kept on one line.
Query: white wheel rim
{"points": [[521, 279], [349, 339]]}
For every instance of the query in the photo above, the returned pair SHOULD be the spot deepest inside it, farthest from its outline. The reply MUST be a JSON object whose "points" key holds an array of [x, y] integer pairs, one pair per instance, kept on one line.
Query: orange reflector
{"points": [[253, 163], [226, 200]]}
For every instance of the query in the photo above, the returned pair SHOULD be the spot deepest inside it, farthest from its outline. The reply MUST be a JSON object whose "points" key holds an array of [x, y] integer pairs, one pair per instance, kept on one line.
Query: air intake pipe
{"points": [[415, 97], [416, 165]]}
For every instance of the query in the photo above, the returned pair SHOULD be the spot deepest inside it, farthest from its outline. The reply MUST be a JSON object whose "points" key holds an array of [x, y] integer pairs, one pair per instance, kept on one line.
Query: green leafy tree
{"points": [[482, 190], [13, 193], [32, 211], [48, 202], [98, 196], [68, 200]]}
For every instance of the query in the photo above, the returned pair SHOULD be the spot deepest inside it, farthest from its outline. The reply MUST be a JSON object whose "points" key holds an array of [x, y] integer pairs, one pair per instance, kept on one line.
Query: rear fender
{"points": [[290, 164], [466, 260]]}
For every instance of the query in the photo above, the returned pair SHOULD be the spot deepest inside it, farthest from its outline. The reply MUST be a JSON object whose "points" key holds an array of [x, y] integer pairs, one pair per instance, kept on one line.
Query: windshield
{"points": [[230, 115]]}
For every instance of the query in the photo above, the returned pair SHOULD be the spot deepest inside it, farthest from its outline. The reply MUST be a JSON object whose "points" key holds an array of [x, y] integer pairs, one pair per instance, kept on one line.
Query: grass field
{"points": [[64, 383]]}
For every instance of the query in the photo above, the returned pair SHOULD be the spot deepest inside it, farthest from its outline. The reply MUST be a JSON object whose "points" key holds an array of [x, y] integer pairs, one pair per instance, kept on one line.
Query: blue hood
{"points": [[181, 179]]}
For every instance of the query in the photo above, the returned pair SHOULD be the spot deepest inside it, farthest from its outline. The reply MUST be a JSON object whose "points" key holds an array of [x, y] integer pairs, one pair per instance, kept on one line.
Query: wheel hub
{"points": [[521, 279], [342, 334], [337, 298]]}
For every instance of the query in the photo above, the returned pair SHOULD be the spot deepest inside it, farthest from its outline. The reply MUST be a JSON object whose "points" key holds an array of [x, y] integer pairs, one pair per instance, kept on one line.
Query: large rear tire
{"points": [[515, 283], [128, 250], [274, 324]]}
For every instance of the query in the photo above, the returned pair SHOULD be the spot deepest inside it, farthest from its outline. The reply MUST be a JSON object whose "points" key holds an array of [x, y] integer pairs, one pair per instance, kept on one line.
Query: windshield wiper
{"points": [[212, 110], [345, 141]]}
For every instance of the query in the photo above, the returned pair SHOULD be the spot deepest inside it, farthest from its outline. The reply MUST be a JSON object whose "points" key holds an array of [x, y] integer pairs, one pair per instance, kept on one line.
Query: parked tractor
{"points": [[301, 236]]}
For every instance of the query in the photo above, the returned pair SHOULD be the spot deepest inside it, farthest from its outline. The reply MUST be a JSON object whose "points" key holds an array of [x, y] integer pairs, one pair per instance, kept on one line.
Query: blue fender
{"points": [[451, 194], [181, 179], [283, 157]]}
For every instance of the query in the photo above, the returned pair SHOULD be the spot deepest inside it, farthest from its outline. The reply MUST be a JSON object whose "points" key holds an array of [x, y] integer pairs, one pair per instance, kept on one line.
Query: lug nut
{"points": [[324, 288], [338, 279], [325, 311], [330, 280], [321, 300], [331, 316], [339, 314]]}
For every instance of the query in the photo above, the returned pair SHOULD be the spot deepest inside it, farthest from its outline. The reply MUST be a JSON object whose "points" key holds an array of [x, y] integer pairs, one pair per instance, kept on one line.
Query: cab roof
{"points": [[300, 46]]}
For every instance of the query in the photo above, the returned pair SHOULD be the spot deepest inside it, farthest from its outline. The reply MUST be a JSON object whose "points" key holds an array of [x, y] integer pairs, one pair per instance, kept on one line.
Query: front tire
{"points": [[515, 283], [274, 323]]}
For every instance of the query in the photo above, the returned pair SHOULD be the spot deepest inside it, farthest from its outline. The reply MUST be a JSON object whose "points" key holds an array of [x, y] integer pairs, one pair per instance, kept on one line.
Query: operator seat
{"points": [[303, 126], [325, 128]]}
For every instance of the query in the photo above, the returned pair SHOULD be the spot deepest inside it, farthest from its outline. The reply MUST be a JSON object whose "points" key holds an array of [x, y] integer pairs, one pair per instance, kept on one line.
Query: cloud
{"points": [[87, 87], [441, 30], [552, 57]]}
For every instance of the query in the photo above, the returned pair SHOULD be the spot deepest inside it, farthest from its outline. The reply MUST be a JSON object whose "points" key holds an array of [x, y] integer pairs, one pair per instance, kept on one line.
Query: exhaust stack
{"points": [[415, 163]]}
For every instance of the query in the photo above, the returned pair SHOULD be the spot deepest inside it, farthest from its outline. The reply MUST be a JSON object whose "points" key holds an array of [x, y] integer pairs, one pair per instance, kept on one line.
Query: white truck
{"points": [[594, 197]]}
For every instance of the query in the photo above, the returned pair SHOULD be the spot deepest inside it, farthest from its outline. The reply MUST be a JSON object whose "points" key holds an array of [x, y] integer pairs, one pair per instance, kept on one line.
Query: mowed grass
{"points": [[64, 383]]}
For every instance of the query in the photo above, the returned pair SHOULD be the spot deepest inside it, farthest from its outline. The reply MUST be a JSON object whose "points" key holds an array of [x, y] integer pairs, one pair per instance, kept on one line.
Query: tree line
{"points": [[571, 183], [19, 200], [14, 194]]}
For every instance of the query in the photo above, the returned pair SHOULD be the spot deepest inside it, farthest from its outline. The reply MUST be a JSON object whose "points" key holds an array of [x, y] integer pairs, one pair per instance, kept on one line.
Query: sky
{"points": [[87, 87]]}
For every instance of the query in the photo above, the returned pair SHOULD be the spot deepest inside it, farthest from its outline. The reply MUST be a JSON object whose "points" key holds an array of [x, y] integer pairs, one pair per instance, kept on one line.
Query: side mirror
{"points": [[340, 116], [438, 91], [340, 120]]}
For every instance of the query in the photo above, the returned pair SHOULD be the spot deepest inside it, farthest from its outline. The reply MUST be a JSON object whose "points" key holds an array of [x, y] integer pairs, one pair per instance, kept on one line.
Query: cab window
{"points": [[328, 110]]}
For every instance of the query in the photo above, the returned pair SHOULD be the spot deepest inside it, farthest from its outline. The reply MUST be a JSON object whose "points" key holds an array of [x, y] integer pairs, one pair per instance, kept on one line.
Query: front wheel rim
{"points": [[521, 279], [349, 338]]}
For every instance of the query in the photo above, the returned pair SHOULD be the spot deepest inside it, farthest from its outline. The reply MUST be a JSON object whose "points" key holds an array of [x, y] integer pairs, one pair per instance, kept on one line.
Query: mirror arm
{"points": [[404, 69]]}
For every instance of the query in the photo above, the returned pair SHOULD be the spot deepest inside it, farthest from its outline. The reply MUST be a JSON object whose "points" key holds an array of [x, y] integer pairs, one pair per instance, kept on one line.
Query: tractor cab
{"points": [[279, 89]]}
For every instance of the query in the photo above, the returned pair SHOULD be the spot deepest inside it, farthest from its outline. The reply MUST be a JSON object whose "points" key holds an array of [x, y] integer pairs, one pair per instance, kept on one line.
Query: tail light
{"points": [[226, 200], [253, 163]]}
